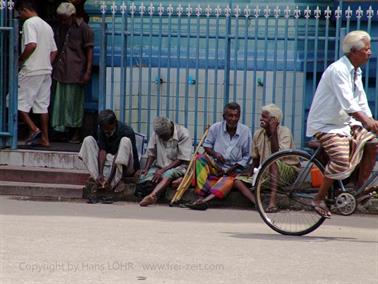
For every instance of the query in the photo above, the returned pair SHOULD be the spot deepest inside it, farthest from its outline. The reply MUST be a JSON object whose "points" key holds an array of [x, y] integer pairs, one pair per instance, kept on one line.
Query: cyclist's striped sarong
{"points": [[207, 179], [345, 153]]}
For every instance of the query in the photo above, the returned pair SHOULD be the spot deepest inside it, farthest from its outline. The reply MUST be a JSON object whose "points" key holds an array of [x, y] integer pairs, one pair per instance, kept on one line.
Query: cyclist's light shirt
{"points": [[338, 94]]}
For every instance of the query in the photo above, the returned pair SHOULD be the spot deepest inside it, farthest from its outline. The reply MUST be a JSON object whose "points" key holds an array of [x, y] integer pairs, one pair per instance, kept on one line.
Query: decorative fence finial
{"points": [[267, 12], [257, 11], [103, 8], [123, 8], [208, 11], [170, 10], [198, 11], [338, 12], [359, 13], [277, 12], [317, 12], [189, 10]]}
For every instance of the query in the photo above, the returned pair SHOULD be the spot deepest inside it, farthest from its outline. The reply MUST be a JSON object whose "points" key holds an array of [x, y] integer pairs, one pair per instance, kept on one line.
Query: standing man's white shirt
{"points": [[337, 96], [35, 30]]}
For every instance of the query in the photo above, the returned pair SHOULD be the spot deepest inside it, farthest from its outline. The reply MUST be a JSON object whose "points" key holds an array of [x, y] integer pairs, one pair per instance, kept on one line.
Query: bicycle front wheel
{"points": [[285, 186]]}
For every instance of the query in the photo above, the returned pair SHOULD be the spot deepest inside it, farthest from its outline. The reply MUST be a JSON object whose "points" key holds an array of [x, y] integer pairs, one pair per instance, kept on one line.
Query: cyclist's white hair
{"points": [[355, 40], [274, 111]]}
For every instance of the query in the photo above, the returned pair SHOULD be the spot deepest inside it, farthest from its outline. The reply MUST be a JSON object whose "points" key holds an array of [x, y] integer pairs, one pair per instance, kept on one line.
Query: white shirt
{"points": [[36, 30], [336, 97]]}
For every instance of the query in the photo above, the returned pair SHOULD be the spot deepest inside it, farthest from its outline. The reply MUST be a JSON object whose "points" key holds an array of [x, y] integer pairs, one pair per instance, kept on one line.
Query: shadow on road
{"points": [[307, 238]]}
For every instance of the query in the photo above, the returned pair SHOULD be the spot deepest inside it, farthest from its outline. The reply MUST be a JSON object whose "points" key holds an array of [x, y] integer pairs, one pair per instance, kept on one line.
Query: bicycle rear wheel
{"points": [[289, 180]]}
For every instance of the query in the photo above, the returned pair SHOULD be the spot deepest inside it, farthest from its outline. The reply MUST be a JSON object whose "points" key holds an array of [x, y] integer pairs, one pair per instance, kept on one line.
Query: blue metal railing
{"points": [[8, 75], [192, 60]]}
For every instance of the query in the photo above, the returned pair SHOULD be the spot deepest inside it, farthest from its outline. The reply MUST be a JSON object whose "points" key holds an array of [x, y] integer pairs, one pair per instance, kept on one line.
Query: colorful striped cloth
{"points": [[210, 178]]}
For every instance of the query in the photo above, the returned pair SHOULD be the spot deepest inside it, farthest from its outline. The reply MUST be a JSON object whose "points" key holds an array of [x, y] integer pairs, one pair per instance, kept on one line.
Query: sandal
{"points": [[272, 209], [148, 200], [198, 206], [31, 140], [321, 209]]}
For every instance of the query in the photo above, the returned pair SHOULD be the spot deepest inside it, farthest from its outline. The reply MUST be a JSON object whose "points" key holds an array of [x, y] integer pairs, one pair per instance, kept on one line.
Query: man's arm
{"points": [[214, 154], [88, 69], [368, 122], [29, 49], [159, 172], [53, 55]]}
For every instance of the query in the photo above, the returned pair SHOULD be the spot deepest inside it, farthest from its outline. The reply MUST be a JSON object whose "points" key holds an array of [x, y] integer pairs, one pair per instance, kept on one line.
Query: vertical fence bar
{"points": [[102, 63], [245, 67], [2, 68], [186, 104], [295, 61], [338, 15], [227, 60], [198, 13], [276, 14], [359, 14], [266, 28], [13, 85], [236, 50], [284, 75], [215, 102], [168, 101], [369, 14], [254, 91], [131, 66], [327, 14], [307, 14], [140, 88], [376, 84], [348, 14], [208, 12], [149, 80], [178, 55], [123, 63], [159, 79], [317, 14], [112, 42]]}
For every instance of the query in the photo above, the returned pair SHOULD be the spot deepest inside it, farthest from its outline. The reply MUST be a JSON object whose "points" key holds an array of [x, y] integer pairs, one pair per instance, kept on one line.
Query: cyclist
{"points": [[340, 118]]}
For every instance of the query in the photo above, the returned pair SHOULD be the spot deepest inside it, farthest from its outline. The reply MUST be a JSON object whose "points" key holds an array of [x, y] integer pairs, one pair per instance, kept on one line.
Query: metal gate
{"points": [[185, 62], [8, 75]]}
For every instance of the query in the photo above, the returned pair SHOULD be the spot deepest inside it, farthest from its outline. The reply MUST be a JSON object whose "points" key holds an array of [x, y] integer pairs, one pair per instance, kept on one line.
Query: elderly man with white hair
{"points": [[270, 138], [340, 118], [72, 70], [169, 152]]}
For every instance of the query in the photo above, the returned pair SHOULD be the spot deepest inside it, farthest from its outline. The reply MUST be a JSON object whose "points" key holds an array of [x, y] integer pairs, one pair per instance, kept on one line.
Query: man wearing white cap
{"points": [[72, 70]]}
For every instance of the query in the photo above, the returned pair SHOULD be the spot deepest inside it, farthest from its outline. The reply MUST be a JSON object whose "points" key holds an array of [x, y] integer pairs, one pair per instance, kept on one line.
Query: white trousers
{"points": [[124, 157]]}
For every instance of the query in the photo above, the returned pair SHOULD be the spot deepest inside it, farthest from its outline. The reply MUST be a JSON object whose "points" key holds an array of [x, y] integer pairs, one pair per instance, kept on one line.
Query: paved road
{"points": [[72, 242]]}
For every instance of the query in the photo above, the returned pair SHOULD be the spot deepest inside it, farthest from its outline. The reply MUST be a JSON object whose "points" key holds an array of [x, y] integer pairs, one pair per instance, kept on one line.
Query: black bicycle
{"points": [[290, 179]]}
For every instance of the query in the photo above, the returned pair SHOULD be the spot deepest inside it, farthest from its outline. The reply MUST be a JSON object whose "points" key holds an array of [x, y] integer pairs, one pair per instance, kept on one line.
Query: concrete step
{"points": [[43, 175], [43, 159], [50, 190]]}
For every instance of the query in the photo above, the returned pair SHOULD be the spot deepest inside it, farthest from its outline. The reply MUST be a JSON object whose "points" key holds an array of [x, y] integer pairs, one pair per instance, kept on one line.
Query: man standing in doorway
{"points": [[38, 52]]}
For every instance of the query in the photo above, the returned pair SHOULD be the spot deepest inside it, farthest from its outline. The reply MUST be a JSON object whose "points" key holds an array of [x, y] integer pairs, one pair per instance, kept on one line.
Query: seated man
{"points": [[170, 147], [227, 147], [114, 155], [270, 138], [340, 118]]}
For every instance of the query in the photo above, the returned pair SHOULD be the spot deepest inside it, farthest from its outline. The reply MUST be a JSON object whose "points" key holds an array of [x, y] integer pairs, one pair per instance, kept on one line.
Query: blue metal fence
{"points": [[186, 62], [8, 75]]}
